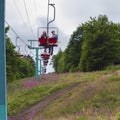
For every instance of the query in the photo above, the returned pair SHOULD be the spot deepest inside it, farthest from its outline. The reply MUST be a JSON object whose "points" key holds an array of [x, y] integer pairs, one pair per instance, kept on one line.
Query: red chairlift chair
{"points": [[42, 42], [45, 55], [45, 62], [52, 41], [44, 70], [19, 55]]}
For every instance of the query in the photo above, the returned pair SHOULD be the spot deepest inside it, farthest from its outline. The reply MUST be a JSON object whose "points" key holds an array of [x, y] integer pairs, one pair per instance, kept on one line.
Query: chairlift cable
{"points": [[35, 8], [16, 33], [20, 14], [28, 17]]}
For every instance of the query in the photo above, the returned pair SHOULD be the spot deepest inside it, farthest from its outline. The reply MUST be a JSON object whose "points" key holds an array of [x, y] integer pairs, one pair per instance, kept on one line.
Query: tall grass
{"points": [[97, 99]]}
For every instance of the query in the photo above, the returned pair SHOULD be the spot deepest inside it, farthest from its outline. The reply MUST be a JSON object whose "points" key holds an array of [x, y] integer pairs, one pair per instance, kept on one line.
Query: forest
{"points": [[17, 66], [93, 46]]}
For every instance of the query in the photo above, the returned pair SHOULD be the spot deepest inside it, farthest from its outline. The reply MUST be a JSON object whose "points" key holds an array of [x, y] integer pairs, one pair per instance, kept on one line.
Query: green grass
{"points": [[25, 98], [97, 99]]}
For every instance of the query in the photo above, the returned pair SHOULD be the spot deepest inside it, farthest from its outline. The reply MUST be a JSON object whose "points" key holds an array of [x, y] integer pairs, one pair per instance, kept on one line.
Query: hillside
{"points": [[68, 96]]}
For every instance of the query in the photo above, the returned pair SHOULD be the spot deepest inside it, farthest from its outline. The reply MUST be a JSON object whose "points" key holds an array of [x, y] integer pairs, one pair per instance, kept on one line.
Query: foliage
{"points": [[96, 96], [113, 68], [17, 67], [58, 62], [20, 94], [93, 46], [101, 44], [96, 99]]}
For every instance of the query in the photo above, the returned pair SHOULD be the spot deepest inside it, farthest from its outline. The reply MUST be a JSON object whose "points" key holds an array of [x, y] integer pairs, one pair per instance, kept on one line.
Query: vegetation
{"points": [[20, 92], [95, 97], [17, 67], [93, 46]]}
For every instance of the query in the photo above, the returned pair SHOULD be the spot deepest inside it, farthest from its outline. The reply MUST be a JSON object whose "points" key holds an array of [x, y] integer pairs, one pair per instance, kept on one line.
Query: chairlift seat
{"points": [[44, 70], [45, 55], [19, 55], [45, 62], [42, 42], [52, 41]]}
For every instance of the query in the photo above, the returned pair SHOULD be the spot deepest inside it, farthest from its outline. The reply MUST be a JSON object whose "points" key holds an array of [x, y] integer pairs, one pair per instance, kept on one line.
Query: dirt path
{"points": [[39, 106]]}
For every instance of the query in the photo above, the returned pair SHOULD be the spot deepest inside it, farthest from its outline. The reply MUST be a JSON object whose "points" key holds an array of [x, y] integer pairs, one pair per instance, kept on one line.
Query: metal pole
{"points": [[36, 71], [48, 22], [40, 68], [54, 14], [3, 99], [48, 19]]}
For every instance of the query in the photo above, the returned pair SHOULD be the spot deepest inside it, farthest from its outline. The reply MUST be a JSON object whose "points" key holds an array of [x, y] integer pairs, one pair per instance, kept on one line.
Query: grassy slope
{"points": [[97, 99]]}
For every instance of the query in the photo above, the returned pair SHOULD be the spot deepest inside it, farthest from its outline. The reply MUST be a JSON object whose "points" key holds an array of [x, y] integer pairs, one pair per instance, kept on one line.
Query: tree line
{"points": [[94, 45], [17, 67]]}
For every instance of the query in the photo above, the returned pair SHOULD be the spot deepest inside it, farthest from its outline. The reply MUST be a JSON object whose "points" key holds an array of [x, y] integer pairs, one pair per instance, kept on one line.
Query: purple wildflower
{"points": [[9, 118], [33, 113], [30, 84]]}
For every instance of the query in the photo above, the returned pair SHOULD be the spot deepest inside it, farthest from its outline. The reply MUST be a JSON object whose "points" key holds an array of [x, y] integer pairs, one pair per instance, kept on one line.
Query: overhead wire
{"points": [[36, 13], [35, 8], [38, 8], [14, 1], [18, 37], [33, 11], [15, 33], [28, 17]]}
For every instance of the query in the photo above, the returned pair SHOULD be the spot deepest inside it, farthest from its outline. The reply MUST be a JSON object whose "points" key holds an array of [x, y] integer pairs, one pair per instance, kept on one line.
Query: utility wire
{"points": [[35, 8], [16, 33], [36, 13], [28, 16], [18, 37], [20, 13]]}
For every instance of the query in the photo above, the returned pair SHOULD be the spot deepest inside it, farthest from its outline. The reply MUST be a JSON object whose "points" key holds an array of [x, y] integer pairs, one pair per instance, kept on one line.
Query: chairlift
{"points": [[18, 51], [45, 55], [45, 70], [47, 41], [45, 62]]}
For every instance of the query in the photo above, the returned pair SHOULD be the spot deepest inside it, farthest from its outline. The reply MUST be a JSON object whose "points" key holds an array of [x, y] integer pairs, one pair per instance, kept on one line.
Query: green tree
{"points": [[56, 59], [101, 43], [17, 67], [73, 51], [94, 45]]}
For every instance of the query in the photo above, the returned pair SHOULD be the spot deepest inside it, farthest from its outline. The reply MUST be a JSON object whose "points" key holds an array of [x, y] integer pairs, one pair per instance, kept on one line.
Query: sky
{"points": [[69, 15]]}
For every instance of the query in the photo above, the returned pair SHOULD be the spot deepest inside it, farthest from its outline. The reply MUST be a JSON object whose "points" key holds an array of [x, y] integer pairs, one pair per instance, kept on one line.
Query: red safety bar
{"points": [[45, 55]]}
